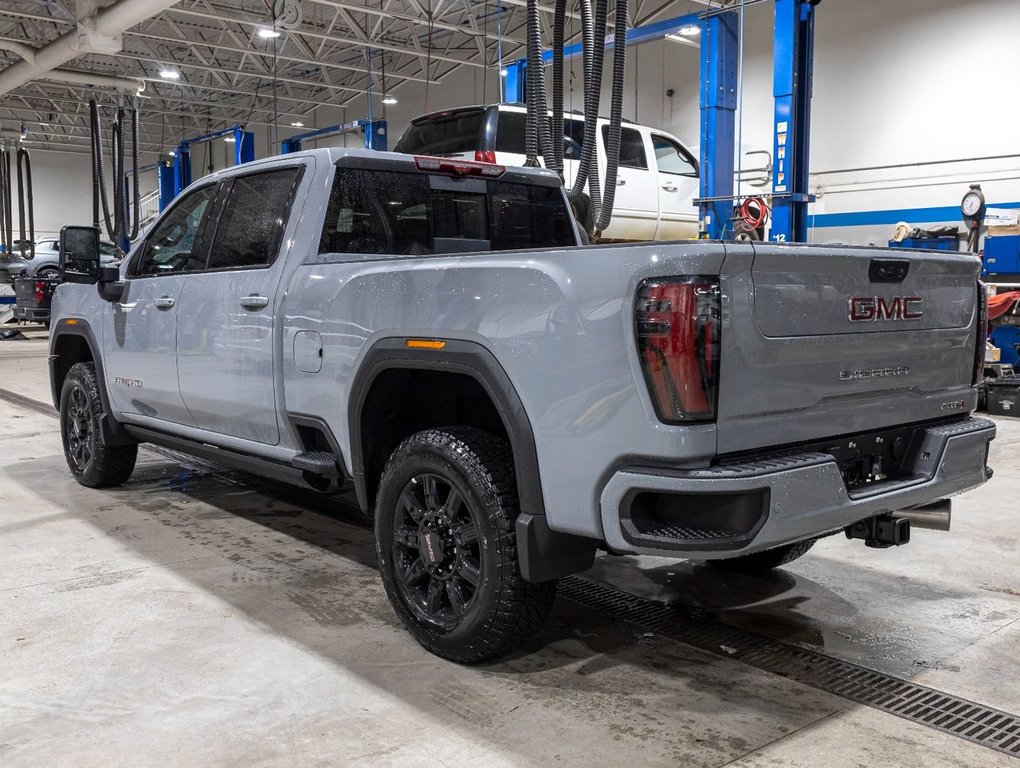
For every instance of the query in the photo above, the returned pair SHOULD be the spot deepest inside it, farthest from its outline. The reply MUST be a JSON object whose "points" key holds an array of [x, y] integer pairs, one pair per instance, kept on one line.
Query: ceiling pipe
{"points": [[97, 34], [126, 85]]}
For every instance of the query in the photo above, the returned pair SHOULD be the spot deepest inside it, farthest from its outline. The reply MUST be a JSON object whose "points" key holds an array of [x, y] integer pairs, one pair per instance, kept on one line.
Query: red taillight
{"points": [[982, 333], [678, 341], [40, 292], [485, 156], [457, 167]]}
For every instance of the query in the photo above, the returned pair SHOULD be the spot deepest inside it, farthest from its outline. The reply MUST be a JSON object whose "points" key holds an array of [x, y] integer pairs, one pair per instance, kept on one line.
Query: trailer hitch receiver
{"points": [[881, 532]]}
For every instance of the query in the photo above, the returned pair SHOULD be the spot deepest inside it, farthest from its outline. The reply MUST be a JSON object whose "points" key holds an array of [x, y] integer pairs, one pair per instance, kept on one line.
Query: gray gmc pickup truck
{"points": [[506, 402]]}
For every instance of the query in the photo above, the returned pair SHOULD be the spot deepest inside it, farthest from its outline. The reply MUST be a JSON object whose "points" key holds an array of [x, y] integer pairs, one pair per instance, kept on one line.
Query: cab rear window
{"points": [[412, 214], [444, 134]]}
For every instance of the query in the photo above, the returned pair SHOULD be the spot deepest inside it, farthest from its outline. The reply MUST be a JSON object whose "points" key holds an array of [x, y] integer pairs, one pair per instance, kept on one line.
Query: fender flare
{"points": [[466, 358], [543, 554], [113, 431]]}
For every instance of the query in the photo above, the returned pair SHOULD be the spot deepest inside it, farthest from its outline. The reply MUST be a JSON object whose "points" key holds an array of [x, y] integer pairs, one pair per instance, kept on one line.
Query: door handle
{"points": [[669, 187], [164, 303], [254, 302], [620, 182]]}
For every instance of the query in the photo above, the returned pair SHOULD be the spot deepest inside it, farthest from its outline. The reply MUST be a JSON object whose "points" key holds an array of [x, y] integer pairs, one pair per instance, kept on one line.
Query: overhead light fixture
{"points": [[267, 33], [172, 153], [685, 40], [503, 72], [170, 74], [297, 124], [690, 30], [229, 139], [388, 100]]}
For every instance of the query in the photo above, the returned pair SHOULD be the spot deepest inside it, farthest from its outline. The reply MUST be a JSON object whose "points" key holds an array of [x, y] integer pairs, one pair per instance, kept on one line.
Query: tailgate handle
{"points": [[888, 270]]}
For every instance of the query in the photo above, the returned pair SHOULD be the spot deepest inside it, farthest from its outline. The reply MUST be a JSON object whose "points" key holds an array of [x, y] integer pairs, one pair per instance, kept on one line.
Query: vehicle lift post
{"points": [[244, 152], [720, 51], [374, 132], [792, 79]]}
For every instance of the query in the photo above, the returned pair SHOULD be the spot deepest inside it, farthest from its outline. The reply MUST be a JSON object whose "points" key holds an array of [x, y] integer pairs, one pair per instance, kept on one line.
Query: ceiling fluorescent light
{"points": [[229, 139], [388, 100], [690, 30], [684, 40], [297, 124], [267, 33], [170, 74]]}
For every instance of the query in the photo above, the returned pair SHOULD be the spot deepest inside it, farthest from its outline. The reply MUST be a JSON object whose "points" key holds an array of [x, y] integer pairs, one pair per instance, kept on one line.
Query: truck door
{"points": [[636, 209], [140, 339], [225, 341], [678, 184]]}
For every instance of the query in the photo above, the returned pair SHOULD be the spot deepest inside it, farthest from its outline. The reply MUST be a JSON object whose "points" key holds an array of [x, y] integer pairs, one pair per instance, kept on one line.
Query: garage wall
{"points": [[62, 189], [911, 82]]}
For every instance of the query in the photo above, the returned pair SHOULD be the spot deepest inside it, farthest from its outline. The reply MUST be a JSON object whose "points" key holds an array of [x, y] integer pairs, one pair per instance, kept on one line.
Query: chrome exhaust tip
{"points": [[934, 517]]}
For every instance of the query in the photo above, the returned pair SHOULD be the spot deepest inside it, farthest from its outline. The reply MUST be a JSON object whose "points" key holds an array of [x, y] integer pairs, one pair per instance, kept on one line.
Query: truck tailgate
{"points": [[818, 342]]}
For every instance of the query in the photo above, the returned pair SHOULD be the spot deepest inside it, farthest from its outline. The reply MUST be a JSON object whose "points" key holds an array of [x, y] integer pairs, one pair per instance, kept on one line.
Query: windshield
{"points": [[447, 133]]}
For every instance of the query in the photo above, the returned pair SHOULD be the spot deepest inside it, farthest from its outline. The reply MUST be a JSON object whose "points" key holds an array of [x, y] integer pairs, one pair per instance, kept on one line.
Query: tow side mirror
{"points": [[111, 287], [79, 255]]}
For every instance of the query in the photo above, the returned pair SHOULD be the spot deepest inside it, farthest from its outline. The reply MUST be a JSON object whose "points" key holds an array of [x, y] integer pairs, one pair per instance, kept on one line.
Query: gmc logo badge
{"points": [[865, 309]]}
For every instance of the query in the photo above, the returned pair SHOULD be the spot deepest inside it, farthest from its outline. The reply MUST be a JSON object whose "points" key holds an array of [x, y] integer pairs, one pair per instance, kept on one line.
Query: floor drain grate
{"points": [[927, 706]]}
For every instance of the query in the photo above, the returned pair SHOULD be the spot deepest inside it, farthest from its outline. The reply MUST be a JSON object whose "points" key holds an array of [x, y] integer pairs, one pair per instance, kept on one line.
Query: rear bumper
{"points": [[31, 314], [760, 503]]}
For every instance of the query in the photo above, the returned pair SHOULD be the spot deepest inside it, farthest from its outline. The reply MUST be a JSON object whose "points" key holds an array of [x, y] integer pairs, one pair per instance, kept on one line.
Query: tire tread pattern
{"points": [[521, 607], [110, 464]]}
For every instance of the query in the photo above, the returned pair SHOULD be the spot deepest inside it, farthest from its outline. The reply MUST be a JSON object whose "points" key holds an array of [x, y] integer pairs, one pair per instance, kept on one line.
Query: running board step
{"points": [[317, 462]]}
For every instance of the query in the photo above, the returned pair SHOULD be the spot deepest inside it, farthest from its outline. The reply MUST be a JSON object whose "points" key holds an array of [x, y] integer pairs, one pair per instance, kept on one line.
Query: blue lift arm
{"points": [[244, 152], [373, 130]]}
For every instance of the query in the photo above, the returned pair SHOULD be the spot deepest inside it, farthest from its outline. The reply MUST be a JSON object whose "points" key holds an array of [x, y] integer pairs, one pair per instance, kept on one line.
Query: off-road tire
{"points": [[504, 610], [93, 463], [762, 562]]}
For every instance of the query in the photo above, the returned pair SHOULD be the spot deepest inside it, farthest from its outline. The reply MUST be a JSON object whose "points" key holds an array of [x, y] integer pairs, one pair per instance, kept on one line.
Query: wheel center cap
{"points": [[431, 547]]}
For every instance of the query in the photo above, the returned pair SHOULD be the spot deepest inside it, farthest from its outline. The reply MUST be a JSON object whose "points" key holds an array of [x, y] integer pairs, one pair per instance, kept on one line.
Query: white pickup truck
{"points": [[656, 183]]}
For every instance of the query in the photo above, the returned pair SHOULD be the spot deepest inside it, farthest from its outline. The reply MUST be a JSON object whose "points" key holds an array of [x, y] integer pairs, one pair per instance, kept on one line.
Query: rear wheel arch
{"points": [[434, 386]]}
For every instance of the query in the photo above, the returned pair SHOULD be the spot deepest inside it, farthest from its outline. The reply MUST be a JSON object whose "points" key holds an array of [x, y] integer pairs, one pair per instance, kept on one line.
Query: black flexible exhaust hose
{"points": [[98, 174], [26, 200], [136, 197], [532, 147], [3, 206], [615, 115], [559, 19], [592, 96], [120, 203], [8, 194]]}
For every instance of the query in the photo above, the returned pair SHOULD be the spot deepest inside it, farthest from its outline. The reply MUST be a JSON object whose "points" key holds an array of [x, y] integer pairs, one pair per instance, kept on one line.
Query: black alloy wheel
{"points": [[445, 530]]}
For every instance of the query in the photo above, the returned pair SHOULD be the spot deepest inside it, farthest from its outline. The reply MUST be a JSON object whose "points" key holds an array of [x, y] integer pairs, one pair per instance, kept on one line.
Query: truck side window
{"points": [[632, 147], [672, 158], [400, 214], [254, 216], [174, 245]]}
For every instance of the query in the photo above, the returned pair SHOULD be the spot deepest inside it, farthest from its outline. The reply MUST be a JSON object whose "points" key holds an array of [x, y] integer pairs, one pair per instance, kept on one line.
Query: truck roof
{"points": [[372, 158]]}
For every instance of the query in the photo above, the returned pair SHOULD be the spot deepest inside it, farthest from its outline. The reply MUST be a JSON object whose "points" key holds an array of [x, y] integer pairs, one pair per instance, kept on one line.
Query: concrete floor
{"points": [[199, 617]]}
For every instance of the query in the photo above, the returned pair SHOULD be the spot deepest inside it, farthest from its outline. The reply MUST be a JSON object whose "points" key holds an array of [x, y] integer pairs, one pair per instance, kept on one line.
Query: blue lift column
{"points": [[792, 77], [719, 60], [515, 87], [244, 146], [165, 176]]}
